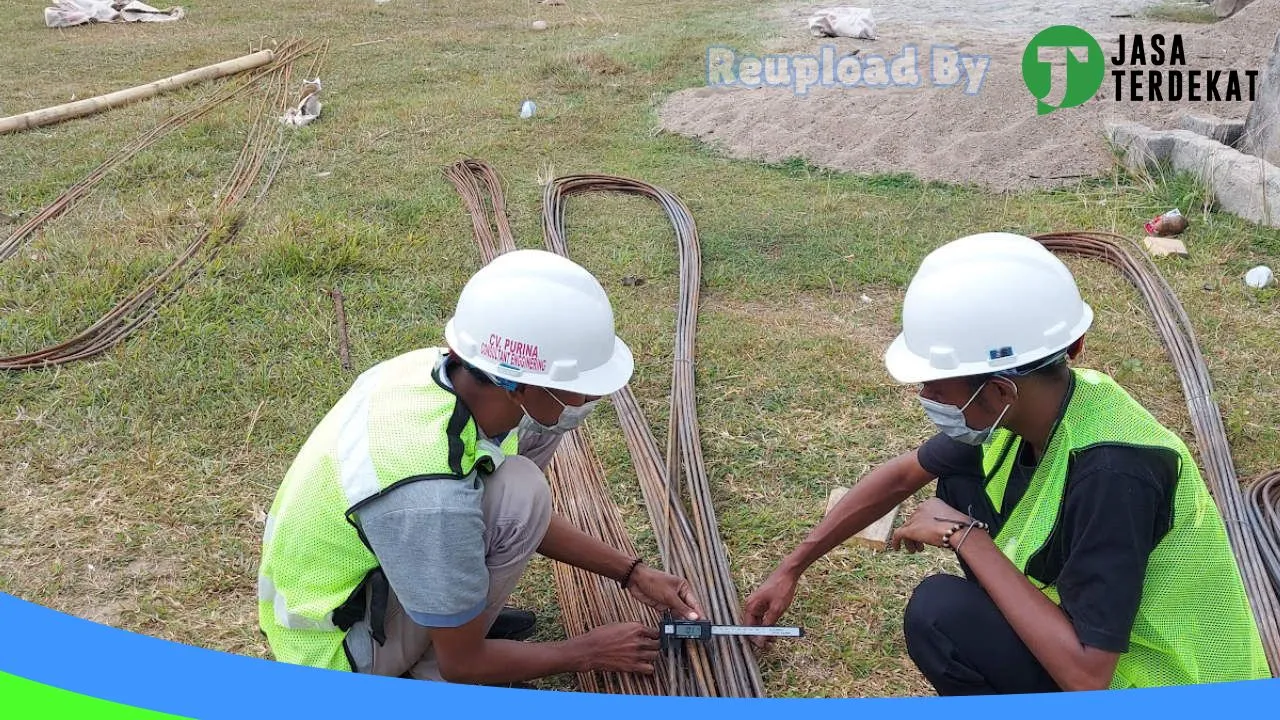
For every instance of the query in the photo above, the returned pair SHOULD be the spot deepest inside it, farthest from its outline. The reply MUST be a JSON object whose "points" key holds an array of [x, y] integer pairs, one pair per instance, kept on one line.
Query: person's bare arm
{"points": [[1042, 625], [567, 544], [874, 495], [466, 656], [868, 501]]}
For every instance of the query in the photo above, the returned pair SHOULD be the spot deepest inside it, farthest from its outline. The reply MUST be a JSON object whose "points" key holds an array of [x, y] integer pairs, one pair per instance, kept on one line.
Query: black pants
{"points": [[956, 635]]}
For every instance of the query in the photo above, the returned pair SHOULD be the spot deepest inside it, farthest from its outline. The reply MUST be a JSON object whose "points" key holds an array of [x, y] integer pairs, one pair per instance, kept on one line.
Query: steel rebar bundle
{"points": [[689, 541], [578, 487], [1264, 516], [690, 548], [227, 220], [1247, 530]]}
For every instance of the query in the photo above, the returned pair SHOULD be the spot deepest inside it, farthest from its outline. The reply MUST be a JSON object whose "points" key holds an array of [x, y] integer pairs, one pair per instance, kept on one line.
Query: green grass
{"points": [[1182, 12], [135, 483]]}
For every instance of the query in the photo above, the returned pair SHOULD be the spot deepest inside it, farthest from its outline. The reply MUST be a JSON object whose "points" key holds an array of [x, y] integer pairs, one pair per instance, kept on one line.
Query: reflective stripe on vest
{"points": [[269, 529], [267, 592], [355, 465]]}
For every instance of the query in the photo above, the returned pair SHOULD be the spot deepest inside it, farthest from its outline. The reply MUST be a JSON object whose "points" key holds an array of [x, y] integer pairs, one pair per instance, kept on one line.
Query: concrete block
{"points": [[1140, 147], [1196, 153], [1241, 184], [1227, 8], [1162, 246], [1227, 132], [876, 535]]}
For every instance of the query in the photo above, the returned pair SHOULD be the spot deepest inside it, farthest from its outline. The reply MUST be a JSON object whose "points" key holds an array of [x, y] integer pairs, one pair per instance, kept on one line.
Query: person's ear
{"points": [[1075, 349], [1006, 389], [518, 394]]}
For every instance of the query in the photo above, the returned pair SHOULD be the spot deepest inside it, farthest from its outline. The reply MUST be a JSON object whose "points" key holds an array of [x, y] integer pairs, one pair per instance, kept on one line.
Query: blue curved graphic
{"points": [[101, 662]]}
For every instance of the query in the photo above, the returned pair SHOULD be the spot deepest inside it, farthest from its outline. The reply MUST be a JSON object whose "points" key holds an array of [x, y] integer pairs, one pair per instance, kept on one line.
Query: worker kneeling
{"points": [[1093, 554], [412, 510]]}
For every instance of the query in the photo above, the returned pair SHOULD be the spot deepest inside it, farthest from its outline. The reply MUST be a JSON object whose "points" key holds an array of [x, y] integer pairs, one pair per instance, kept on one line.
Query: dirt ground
{"points": [[993, 138]]}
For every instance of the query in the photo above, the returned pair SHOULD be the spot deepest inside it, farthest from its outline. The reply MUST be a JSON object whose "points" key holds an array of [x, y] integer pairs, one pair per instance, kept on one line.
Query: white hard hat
{"points": [[986, 303], [538, 318]]}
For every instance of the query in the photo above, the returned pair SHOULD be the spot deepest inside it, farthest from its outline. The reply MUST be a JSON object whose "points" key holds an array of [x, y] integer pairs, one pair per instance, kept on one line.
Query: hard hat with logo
{"points": [[986, 303], [538, 318]]}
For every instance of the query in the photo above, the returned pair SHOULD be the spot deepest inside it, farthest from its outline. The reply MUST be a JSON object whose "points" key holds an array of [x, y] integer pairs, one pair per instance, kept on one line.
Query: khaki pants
{"points": [[517, 511]]}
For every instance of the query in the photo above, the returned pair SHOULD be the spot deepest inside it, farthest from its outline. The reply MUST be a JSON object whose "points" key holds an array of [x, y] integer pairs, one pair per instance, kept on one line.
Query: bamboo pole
{"points": [[88, 106]]}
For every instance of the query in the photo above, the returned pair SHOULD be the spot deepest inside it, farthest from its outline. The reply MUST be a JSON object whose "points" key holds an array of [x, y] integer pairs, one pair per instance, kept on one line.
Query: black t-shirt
{"points": [[1117, 506]]}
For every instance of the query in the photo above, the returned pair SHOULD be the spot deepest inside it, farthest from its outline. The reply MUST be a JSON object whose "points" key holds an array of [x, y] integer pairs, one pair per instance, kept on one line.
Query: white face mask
{"points": [[570, 417], [950, 419]]}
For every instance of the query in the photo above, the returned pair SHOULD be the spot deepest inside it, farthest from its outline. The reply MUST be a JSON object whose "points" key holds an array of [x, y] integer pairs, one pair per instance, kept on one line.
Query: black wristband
{"points": [[626, 579]]}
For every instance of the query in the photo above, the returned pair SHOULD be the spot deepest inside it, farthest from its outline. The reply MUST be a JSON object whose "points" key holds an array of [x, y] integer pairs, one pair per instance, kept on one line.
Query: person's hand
{"points": [[769, 602], [928, 525], [618, 647], [664, 592]]}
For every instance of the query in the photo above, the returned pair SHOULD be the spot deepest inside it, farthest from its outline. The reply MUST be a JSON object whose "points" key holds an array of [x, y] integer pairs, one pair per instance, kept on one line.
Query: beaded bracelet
{"points": [[982, 526], [626, 579], [946, 537]]}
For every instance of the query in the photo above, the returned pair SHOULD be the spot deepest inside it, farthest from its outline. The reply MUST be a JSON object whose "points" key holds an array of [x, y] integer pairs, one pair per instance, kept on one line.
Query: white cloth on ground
{"points": [[69, 13], [843, 21]]}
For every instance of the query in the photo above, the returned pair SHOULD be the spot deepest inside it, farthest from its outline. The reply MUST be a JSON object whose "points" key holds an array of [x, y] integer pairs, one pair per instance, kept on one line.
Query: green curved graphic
{"points": [[22, 699], [1083, 75]]}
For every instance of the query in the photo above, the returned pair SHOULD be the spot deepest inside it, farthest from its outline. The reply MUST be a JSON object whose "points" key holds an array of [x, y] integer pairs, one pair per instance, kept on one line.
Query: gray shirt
{"points": [[428, 537]]}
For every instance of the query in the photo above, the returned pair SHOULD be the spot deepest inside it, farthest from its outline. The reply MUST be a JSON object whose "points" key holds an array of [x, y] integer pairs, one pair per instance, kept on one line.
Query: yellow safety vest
{"points": [[397, 424], [1194, 623]]}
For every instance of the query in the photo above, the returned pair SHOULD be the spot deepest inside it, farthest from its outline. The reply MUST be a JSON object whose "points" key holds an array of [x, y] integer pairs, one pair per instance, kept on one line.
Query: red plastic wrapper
{"points": [[1170, 223]]}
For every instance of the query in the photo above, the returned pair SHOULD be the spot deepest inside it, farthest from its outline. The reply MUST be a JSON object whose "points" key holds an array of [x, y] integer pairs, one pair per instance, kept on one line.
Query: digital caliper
{"points": [[702, 630]]}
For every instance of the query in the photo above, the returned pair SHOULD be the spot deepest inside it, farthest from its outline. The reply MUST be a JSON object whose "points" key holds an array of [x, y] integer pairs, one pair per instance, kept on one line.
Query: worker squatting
{"points": [[1174, 85], [1091, 552]]}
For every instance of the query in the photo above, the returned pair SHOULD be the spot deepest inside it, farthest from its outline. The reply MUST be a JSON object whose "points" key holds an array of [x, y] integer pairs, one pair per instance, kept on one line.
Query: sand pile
{"points": [[993, 138]]}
